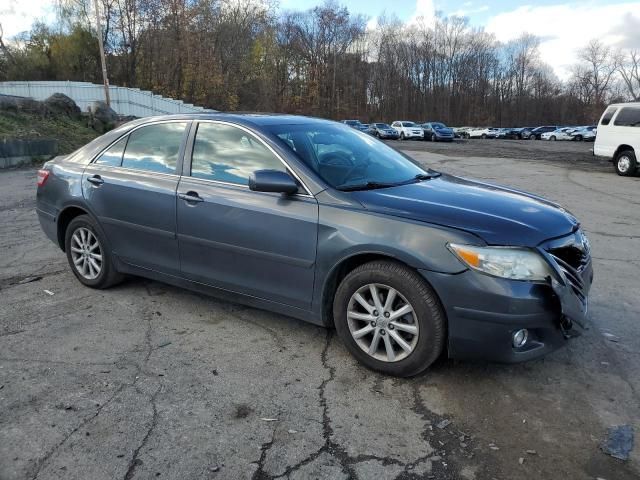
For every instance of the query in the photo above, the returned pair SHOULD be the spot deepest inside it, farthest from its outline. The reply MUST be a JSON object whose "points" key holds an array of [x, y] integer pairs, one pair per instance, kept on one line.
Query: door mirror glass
{"points": [[272, 181]]}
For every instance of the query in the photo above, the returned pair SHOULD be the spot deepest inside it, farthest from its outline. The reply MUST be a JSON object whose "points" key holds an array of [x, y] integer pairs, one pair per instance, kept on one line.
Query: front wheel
{"points": [[401, 135], [389, 318], [433, 137], [88, 255], [553, 139], [625, 163]]}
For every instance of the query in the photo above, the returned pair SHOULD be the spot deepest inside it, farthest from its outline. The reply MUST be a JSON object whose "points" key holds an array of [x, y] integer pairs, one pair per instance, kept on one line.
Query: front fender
{"points": [[344, 233]]}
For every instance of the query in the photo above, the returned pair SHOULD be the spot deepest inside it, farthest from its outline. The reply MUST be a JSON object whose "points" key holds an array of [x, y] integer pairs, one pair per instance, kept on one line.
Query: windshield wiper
{"points": [[427, 176], [365, 186]]}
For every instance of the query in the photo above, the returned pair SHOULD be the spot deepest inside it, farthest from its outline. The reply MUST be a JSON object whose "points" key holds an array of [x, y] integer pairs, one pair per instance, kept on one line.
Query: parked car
{"points": [[586, 134], [536, 133], [312, 219], [407, 130], [512, 133], [502, 133], [558, 134], [487, 132], [356, 124], [382, 130], [619, 137], [437, 132], [461, 132]]}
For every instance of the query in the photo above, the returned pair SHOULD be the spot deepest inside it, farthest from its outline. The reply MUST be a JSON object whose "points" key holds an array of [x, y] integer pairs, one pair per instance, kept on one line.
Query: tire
{"points": [[552, 138], [484, 136], [401, 135], [427, 315], [84, 227], [625, 163], [579, 138], [433, 137]]}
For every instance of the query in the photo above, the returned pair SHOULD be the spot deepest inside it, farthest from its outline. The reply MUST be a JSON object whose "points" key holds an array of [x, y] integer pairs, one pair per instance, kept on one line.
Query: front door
{"points": [[254, 243], [131, 188]]}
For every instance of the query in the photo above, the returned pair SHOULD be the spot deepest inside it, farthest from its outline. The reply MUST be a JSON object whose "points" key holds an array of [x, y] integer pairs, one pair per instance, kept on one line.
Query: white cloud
{"points": [[565, 28], [468, 9], [18, 16], [425, 12]]}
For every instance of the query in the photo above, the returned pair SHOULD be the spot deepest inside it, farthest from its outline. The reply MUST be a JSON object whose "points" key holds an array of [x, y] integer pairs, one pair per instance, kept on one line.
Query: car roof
{"points": [[246, 118], [625, 104]]}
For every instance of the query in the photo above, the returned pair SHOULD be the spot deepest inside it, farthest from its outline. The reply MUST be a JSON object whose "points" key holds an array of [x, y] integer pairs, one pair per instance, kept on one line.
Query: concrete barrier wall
{"points": [[14, 153], [125, 101]]}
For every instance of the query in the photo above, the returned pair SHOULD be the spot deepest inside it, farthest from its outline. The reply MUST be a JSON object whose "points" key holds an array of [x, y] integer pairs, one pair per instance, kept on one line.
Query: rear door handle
{"points": [[190, 196], [95, 180]]}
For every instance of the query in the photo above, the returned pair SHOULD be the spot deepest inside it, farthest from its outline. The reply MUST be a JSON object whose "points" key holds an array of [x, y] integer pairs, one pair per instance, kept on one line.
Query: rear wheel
{"points": [[484, 136], [389, 318], [579, 138], [88, 255], [625, 163]]}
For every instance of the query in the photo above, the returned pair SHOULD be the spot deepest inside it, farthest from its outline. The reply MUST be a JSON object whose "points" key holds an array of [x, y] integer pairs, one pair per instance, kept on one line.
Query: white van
{"points": [[618, 137]]}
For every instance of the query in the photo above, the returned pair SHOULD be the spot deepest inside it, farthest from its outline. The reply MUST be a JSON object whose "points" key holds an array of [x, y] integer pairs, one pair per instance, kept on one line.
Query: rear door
{"points": [[131, 188], [254, 243]]}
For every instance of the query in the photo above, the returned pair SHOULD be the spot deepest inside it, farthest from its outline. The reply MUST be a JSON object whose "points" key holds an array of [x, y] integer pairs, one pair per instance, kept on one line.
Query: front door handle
{"points": [[95, 180], [190, 196]]}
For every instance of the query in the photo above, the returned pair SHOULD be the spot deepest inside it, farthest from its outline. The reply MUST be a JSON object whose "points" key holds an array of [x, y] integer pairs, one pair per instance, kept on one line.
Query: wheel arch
{"points": [[64, 218], [341, 269], [621, 149]]}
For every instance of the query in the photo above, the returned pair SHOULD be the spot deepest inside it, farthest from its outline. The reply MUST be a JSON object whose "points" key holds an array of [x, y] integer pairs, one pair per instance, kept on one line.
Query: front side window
{"points": [[346, 158], [226, 153], [154, 148], [113, 155], [608, 115], [628, 117]]}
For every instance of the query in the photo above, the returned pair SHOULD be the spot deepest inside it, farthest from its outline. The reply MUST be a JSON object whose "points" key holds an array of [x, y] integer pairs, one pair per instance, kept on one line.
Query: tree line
{"points": [[247, 55]]}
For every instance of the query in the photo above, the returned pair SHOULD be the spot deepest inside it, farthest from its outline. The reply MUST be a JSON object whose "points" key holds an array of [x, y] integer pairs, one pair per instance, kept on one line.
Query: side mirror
{"points": [[272, 181]]}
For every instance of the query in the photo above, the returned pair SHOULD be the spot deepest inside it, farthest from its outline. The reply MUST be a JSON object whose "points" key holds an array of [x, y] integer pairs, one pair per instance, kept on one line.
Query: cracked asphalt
{"points": [[149, 381]]}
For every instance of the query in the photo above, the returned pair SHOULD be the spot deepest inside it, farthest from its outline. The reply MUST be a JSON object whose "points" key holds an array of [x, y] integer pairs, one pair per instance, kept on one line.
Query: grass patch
{"points": [[71, 134]]}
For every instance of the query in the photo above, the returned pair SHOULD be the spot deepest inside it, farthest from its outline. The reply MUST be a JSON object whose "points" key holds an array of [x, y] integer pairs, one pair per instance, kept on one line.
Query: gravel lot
{"points": [[149, 381]]}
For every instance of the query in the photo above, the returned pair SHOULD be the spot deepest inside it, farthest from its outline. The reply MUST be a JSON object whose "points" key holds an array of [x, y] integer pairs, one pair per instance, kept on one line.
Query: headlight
{"points": [[505, 262]]}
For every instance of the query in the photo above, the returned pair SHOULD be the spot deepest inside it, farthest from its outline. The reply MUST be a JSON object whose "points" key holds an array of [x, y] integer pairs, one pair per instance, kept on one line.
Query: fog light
{"points": [[520, 337]]}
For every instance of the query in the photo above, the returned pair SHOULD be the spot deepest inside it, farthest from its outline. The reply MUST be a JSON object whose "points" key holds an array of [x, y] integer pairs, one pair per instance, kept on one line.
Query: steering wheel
{"points": [[339, 159]]}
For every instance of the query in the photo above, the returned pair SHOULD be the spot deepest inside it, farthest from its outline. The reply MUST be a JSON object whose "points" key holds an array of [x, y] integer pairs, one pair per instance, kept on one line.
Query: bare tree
{"points": [[629, 69]]}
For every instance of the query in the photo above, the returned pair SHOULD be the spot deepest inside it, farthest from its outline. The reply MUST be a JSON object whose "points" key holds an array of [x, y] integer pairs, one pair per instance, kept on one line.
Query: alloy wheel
{"points": [[86, 253], [382, 322]]}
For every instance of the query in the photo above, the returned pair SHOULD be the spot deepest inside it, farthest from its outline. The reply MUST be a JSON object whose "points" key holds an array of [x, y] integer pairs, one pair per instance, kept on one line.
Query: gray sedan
{"points": [[316, 220]]}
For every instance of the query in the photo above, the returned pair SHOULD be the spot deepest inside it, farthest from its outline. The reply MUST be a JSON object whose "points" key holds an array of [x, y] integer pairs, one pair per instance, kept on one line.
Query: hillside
{"points": [[70, 133]]}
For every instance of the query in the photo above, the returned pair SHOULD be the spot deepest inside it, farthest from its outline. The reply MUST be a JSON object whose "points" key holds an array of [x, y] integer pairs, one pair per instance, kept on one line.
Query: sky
{"points": [[563, 26]]}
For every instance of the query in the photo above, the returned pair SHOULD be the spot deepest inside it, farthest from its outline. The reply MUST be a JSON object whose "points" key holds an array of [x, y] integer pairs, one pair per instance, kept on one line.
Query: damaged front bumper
{"points": [[484, 312]]}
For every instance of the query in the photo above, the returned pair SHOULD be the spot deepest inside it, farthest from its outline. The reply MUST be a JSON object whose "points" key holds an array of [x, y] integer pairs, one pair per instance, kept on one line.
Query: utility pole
{"points": [[105, 78]]}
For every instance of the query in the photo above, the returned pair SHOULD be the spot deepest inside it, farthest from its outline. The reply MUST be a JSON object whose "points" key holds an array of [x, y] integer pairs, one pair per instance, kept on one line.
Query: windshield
{"points": [[408, 124], [344, 157], [352, 122], [438, 125], [383, 126]]}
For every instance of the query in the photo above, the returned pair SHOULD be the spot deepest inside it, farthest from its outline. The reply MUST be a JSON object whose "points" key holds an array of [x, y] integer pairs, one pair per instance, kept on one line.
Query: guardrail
{"points": [[124, 100]]}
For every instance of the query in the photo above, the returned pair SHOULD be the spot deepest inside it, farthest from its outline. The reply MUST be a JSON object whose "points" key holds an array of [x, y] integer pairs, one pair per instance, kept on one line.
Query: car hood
{"points": [[499, 215]]}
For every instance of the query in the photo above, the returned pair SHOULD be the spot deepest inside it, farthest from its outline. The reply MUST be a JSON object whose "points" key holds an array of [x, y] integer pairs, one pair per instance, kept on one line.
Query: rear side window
{"points": [[113, 155], [608, 115], [154, 148], [628, 117], [225, 153]]}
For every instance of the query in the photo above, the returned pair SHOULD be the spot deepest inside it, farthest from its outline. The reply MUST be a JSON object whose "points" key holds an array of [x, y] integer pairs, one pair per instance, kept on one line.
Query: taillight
{"points": [[42, 176]]}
